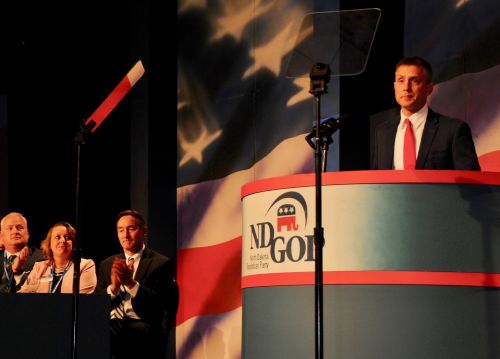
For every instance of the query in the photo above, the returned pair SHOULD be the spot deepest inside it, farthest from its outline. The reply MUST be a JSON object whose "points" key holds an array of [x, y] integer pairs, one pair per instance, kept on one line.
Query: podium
{"points": [[411, 265], [39, 326]]}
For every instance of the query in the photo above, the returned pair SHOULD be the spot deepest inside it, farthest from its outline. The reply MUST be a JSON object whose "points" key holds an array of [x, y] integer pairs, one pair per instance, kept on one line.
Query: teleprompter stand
{"points": [[334, 43], [320, 76]]}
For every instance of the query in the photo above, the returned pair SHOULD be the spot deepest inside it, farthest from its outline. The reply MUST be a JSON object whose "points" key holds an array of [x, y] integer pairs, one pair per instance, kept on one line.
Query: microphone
{"points": [[327, 128], [330, 125]]}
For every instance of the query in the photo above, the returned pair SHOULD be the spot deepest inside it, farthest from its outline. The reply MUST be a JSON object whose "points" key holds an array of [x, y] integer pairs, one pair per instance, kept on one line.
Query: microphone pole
{"points": [[90, 125], [79, 141], [319, 139], [320, 75]]}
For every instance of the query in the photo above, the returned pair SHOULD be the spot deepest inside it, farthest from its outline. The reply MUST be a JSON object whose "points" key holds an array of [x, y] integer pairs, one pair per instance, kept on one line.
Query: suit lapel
{"points": [[1, 261], [430, 128], [388, 136], [29, 259], [143, 265], [67, 281]]}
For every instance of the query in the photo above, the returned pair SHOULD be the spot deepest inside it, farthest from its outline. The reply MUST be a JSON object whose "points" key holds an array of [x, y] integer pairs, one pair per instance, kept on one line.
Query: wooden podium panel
{"points": [[40, 326], [411, 265]]}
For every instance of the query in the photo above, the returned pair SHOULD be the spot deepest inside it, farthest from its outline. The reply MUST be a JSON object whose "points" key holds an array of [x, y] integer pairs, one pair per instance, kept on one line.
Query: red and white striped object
{"points": [[115, 96]]}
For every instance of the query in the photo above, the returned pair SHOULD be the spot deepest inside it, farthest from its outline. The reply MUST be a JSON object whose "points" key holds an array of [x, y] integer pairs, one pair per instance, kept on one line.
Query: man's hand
{"points": [[121, 274], [115, 283], [17, 266]]}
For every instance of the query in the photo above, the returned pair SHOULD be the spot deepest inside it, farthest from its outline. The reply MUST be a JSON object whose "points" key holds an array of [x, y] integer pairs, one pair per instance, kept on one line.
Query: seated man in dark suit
{"points": [[17, 258], [415, 137], [143, 291]]}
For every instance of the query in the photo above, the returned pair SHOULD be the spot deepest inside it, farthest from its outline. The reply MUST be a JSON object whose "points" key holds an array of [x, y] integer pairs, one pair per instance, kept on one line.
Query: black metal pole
{"points": [[318, 240], [79, 141], [320, 75]]}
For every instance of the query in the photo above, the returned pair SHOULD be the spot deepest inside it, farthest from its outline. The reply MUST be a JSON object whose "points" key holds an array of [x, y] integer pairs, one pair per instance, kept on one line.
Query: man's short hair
{"points": [[417, 61], [11, 214], [136, 214]]}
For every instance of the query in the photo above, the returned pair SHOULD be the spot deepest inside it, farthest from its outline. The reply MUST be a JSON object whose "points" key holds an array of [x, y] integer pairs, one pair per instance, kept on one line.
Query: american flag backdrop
{"points": [[239, 119], [461, 40]]}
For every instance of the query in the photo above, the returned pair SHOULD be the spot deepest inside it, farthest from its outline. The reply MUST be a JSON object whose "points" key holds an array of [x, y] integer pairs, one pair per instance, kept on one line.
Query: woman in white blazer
{"points": [[55, 274]]}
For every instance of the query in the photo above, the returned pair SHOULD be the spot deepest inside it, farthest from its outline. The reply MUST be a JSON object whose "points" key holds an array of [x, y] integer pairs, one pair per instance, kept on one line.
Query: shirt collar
{"points": [[418, 118], [136, 256], [8, 254]]}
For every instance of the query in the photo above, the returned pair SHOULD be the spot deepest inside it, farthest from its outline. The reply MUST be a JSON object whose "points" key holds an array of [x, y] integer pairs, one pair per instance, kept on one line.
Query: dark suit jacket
{"points": [[34, 255], [446, 143], [157, 297]]}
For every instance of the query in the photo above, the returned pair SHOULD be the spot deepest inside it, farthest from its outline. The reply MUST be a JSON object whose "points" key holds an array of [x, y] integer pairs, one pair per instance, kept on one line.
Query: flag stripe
{"points": [[491, 161], [209, 275], [211, 278], [203, 221], [195, 336]]}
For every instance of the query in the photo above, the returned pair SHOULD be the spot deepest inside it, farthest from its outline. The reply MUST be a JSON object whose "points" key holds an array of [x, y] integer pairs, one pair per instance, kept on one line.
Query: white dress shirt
{"points": [[127, 293], [17, 276]]}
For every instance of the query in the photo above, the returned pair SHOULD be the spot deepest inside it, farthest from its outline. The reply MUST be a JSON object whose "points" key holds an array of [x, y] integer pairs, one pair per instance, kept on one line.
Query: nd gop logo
{"points": [[282, 232]]}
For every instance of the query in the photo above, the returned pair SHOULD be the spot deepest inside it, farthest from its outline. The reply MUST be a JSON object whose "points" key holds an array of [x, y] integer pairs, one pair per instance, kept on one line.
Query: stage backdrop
{"points": [[241, 119], [461, 39]]}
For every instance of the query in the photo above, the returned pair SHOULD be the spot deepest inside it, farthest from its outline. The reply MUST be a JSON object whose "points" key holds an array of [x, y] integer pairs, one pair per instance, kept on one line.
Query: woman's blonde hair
{"points": [[45, 245]]}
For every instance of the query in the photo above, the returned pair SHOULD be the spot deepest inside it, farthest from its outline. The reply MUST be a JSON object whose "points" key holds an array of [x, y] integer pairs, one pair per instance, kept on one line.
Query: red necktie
{"points": [[409, 152]]}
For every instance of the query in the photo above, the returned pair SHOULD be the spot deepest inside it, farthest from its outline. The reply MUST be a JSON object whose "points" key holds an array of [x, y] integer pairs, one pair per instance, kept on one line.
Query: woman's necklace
{"points": [[53, 272]]}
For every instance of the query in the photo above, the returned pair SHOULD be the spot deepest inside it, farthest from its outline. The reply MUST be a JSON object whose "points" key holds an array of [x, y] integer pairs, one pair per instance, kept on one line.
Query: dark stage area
{"points": [[57, 66], [58, 63]]}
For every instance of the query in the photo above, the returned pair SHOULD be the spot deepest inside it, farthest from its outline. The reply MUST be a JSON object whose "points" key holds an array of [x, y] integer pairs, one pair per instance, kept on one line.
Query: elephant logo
{"points": [[286, 214], [287, 217]]}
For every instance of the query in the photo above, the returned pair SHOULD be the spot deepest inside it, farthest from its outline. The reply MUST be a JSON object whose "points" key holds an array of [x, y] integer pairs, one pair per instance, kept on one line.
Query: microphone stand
{"points": [[320, 75], [86, 128], [79, 140]]}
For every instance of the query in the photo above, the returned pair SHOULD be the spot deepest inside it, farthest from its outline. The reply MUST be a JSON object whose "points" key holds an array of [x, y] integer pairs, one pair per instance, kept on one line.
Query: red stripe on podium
{"points": [[472, 279], [373, 177]]}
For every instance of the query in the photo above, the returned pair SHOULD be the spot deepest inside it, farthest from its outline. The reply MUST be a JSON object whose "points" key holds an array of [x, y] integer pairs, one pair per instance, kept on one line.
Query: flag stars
{"points": [[234, 23], [194, 150], [303, 83], [461, 3], [181, 105], [268, 55], [186, 4]]}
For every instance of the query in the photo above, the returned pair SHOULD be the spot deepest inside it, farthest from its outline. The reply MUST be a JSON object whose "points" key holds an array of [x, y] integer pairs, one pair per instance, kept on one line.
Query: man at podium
{"points": [[415, 137]]}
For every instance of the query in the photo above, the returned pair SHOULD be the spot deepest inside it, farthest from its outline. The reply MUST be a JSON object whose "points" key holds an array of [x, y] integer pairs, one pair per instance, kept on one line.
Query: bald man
{"points": [[17, 258]]}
